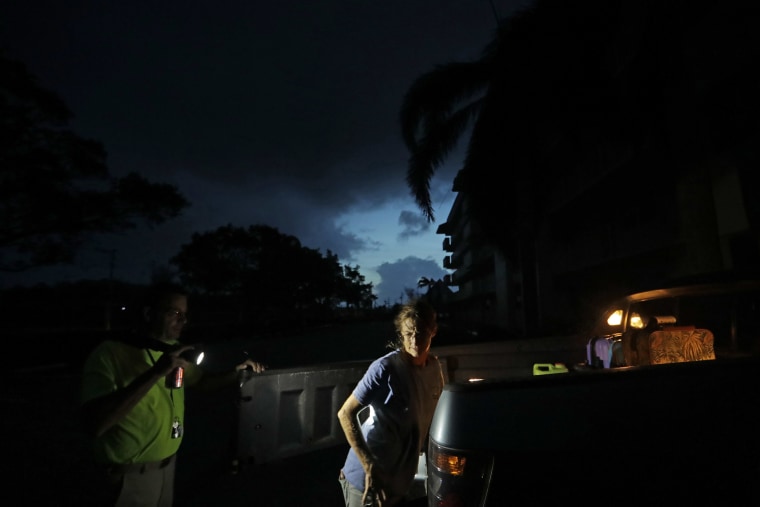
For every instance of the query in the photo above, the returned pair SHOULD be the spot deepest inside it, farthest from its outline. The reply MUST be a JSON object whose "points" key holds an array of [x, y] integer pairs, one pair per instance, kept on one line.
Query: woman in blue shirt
{"points": [[401, 390]]}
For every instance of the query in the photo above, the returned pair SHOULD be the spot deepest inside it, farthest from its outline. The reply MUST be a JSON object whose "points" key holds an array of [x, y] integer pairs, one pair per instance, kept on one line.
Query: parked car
{"points": [[673, 427]]}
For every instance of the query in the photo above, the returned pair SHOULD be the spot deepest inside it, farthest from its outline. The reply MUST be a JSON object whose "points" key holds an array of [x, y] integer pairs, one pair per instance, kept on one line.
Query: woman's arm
{"points": [[347, 415]]}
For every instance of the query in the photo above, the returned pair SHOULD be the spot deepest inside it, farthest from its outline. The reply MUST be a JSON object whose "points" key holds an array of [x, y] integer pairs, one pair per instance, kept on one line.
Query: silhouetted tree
{"points": [[536, 89], [355, 292], [268, 273], [426, 282], [55, 187]]}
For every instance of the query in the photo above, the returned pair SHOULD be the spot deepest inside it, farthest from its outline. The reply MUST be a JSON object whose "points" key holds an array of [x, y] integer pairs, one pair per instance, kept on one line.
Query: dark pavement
{"points": [[307, 480]]}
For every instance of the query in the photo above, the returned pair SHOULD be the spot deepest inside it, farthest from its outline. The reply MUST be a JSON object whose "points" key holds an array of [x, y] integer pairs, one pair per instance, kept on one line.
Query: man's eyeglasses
{"points": [[176, 314]]}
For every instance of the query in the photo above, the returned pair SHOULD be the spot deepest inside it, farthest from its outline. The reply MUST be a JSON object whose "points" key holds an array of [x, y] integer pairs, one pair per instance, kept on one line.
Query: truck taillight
{"points": [[450, 463], [457, 478]]}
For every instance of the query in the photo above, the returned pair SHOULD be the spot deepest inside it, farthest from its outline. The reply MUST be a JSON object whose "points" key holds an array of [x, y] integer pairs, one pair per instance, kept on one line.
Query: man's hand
{"points": [[172, 359], [251, 365]]}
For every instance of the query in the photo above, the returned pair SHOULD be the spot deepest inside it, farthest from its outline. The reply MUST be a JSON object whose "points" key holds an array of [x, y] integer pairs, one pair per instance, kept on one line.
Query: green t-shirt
{"points": [[144, 434]]}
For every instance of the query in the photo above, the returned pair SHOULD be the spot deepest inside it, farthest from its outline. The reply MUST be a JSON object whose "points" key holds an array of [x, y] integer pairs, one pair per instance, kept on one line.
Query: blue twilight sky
{"points": [[279, 113]]}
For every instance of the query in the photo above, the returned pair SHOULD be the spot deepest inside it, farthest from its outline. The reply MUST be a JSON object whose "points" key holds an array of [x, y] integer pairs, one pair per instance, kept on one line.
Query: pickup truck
{"points": [[632, 432]]}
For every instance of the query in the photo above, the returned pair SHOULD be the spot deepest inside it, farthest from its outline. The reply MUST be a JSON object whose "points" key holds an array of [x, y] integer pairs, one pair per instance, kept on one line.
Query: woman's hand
{"points": [[374, 484]]}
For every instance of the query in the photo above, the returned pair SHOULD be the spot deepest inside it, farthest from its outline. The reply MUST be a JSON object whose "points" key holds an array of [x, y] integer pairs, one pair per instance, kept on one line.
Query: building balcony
{"points": [[452, 262]]}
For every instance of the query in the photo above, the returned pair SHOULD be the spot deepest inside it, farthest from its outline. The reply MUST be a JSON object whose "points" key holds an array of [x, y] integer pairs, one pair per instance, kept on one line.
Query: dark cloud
{"points": [[413, 224], [283, 113]]}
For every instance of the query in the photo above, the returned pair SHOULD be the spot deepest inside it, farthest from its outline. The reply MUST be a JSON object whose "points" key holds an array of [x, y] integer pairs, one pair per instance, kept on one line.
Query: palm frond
{"points": [[435, 94], [431, 152]]}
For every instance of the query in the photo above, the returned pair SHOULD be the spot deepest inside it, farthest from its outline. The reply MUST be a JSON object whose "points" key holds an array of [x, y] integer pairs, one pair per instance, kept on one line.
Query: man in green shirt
{"points": [[134, 418]]}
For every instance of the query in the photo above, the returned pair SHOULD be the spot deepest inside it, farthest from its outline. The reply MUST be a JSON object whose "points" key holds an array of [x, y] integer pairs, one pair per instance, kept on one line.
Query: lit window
{"points": [[615, 318], [636, 321]]}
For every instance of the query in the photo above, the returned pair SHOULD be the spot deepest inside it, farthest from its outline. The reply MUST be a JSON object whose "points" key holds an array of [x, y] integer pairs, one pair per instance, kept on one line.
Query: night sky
{"points": [[279, 113]]}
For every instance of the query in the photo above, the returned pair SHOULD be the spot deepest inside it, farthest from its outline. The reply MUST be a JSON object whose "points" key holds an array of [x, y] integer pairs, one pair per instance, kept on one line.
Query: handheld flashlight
{"points": [[176, 378]]}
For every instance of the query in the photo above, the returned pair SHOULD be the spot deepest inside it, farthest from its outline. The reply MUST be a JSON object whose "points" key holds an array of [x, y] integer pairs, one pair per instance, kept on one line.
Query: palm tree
{"points": [[426, 282], [431, 126], [537, 96]]}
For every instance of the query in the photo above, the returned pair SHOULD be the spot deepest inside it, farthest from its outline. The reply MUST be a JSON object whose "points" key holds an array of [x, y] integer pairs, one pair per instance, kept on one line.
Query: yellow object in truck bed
{"points": [[548, 368]]}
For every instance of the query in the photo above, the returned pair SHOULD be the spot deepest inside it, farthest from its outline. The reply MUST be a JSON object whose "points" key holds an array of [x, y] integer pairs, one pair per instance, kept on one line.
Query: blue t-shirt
{"points": [[402, 398]]}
